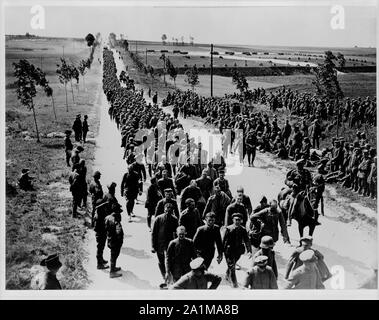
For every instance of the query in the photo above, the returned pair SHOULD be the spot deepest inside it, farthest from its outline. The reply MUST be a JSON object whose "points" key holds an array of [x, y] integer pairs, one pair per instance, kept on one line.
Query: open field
{"points": [[258, 56], [39, 222]]}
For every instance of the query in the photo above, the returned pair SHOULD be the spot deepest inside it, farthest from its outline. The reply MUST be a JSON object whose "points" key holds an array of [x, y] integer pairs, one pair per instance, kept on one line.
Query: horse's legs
{"points": [[301, 229], [311, 229]]}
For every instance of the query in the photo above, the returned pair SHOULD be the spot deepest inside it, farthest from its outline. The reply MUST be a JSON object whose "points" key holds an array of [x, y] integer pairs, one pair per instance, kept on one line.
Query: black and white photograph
{"points": [[156, 146]]}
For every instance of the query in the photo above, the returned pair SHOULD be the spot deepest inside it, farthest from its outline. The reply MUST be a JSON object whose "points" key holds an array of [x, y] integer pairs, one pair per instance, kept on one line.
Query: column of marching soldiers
{"points": [[185, 236]]}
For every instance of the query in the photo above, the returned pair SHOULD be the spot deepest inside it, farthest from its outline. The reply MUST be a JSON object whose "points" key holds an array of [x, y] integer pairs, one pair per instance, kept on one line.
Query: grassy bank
{"points": [[39, 222]]}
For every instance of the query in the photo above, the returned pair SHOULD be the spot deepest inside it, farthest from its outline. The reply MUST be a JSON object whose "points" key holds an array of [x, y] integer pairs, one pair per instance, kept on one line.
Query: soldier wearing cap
{"points": [[235, 243], [208, 237], [48, 279], [164, 228], [372, 178], [169, 198], [197, 278], [272, 217], [75, 157], [25, 181], [315, 195], [85, 128], [295, 262], [115, 237], [245, 200], [223, 183], [166, 182], [307, 276], [363, 172], [96, 191], [77, 127], [190, 218], [130, 188], [302, 177], [217, 203], [110, 197], [235, 207], [267, 249], [205, 184], [76, 189], [261, 276], [153, 195], [192, 192], [68, 147], [180, 252]]}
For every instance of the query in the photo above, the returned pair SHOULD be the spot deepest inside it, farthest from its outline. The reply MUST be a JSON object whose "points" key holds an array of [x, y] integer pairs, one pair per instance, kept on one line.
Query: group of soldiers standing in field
{"points": [[351, 164], [190, 207]]}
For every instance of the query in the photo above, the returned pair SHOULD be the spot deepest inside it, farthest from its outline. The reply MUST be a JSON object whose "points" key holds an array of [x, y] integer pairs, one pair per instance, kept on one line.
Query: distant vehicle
{"points": [[246, 53], [254, 52], [265, 53], [187, 57], [176, 51], [183, 52], [229, 52], [163, 51], [214, 53], [150, 50], [203, 57]]}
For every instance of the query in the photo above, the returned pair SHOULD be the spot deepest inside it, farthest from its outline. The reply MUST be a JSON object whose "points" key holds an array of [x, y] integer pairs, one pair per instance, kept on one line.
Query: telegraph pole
{"points": [[146, 55], [211, 70], [136, 46]]}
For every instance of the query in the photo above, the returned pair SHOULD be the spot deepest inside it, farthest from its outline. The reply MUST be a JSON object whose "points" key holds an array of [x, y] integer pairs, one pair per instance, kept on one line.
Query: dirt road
{"points": [[348, 249]]}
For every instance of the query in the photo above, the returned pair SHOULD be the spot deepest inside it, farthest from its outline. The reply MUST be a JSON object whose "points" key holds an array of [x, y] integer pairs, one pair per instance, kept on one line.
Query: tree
{"points": [[164, 38], [240, 81], [327, 84], [82, 70], [341, 60], [192, 77], [163, 57], [171, 70], [63, 72], [28, 76], [191, 40], [90, 39]]}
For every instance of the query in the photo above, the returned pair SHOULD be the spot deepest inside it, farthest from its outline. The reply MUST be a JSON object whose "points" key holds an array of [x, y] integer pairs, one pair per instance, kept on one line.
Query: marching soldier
{"points": [[235, 242], [180, 252], [190, 218], [197, 278], [68, 147], [115, 237], [217, 203], [77, 127], [261, 275]]}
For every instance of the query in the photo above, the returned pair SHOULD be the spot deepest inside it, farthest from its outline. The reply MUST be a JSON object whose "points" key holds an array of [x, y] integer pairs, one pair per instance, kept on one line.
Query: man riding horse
{"points": [[295, 201]]}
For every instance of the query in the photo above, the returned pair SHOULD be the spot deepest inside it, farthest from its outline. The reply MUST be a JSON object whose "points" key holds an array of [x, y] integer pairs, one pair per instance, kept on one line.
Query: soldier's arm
{"points": [[248, 280], [170, 256], [182, 283], [214, 279], [246, 240], [154, 235]]}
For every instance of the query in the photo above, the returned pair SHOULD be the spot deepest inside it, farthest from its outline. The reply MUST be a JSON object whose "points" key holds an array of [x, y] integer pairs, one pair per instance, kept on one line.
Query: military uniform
{"points": [[160, 207], [235, 241], [164, 228], [191, 220], [205, 239], [217, 204], [180, 252], [96, 191], [115, 238], [192, 282], [260, 279]]}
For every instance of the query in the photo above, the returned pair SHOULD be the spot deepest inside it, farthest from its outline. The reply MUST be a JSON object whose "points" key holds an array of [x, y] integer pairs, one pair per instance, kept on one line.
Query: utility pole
{"points": [[212, 70], [146, 56], [136, 46]]}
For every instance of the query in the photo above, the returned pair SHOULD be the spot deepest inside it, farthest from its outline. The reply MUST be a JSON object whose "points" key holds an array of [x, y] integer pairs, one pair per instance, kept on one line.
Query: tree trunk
{"points": [[35, 122], [72, 92], [52, 100], [65, 90]]}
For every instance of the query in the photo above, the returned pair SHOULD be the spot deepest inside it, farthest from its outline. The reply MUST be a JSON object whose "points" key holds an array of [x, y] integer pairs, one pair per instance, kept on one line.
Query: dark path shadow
{"points": [[139, 254], [131, 279]]}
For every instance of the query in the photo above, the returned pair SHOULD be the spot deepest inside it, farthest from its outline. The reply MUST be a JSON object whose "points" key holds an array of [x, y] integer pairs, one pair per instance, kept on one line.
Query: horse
{"points": [[301, 208]]}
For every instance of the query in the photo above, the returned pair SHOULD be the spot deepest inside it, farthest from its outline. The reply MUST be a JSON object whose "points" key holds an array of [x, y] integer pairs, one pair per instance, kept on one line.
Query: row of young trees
{"points": [[29, 77], [175, 41]]}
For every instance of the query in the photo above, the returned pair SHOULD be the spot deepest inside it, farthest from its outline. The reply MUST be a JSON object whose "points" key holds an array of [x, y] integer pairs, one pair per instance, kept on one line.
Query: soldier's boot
{"points": [[101, 263], [233, 278], [113, 273]]}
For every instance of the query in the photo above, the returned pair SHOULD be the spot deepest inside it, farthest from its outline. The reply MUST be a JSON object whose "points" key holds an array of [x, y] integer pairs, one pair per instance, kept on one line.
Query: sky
{"points": [[282, 23]]}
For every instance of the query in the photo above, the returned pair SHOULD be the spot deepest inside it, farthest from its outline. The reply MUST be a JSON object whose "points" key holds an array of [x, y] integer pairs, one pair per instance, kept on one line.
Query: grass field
{"points": [[354, 56], [32, 217]]}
